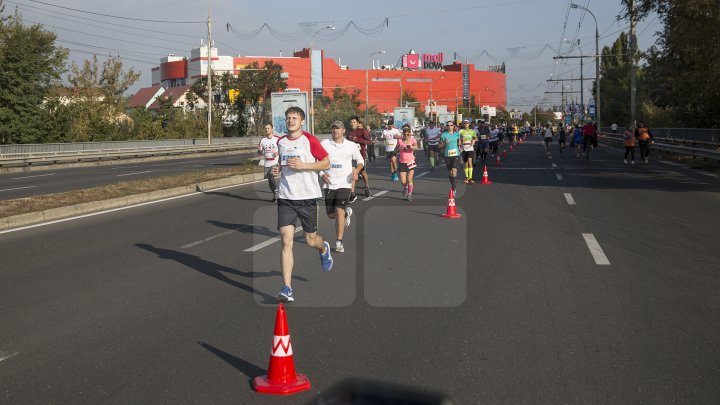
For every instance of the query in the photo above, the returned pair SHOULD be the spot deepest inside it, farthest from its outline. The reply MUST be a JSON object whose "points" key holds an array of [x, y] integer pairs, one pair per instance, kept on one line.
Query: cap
{"points": [[338, 124]]}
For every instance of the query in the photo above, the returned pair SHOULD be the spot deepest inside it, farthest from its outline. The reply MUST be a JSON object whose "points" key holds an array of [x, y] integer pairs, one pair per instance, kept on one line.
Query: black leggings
{"points": [[644, 149], [631, 151]]}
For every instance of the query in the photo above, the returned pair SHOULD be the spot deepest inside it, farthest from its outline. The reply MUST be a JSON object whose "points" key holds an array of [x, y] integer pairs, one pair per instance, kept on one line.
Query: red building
{"points": [[425, 76]]}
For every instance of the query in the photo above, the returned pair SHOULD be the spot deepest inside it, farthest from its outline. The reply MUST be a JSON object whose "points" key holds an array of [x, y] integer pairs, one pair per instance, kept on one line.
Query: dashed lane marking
{"points": [[595, 249], [5, 355], [378, 194], [559, 176], [422, 174], [569, 198], [17, 188], [132, 174], [554, 165], [267, 242], [30, 177]]}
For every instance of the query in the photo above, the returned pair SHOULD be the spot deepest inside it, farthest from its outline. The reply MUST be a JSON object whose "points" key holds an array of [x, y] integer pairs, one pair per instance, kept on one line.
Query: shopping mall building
{"points": [[428, 77]]}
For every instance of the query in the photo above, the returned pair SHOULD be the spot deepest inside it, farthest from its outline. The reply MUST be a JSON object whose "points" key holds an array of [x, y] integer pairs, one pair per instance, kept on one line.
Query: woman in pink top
{"points": [[406, 156]]}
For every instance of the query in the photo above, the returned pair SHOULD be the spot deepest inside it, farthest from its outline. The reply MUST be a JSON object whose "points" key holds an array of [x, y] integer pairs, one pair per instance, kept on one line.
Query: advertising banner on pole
{"points": [[444, 118], [281, 101], [404, 115]]}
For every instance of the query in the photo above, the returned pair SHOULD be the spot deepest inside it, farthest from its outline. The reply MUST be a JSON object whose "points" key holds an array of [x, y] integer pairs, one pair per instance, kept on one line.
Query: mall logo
{"points": [[430, 61]]}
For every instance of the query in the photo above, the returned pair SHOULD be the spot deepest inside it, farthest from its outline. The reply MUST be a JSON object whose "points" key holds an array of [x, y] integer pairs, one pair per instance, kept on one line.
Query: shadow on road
{"points": [[245, 367], [215, 270]]}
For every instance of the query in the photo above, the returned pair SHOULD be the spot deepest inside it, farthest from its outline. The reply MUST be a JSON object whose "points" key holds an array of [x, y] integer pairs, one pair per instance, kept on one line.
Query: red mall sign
{"points": [[430, 61]]}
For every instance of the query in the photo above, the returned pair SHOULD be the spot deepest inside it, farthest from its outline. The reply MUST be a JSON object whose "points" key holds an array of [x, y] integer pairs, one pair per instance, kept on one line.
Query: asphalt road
{"points": [[173, 302], [57, 179]]}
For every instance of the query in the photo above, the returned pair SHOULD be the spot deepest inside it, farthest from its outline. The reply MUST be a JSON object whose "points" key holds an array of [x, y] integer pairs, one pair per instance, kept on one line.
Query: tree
{"points": [[255, 86], [682, 74], [30, 65]]}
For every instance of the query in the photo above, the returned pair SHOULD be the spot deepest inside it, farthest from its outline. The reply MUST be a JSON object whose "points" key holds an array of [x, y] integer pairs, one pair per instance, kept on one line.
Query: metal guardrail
{"points": [[712, 152]]}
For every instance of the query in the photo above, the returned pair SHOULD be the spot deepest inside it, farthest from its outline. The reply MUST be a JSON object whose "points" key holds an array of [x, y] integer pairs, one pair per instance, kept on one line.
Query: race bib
{"points": [[283, 160], [468, 147], [452, 152], [269, 155], [412, 165], [336, 166]]}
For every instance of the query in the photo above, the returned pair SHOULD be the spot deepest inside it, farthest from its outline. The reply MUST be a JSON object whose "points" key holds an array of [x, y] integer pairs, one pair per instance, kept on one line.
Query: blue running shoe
{"points": [[326, 258], [285, 294]]}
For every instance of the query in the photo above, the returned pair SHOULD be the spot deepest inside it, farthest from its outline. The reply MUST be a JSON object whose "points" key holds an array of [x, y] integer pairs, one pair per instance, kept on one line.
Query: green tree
{"points": [[339, 105], [682, 74], [30, 65]]}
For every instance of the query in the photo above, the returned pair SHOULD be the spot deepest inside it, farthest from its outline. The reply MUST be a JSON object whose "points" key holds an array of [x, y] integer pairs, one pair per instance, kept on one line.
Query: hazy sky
{"points": [[513, 31]]}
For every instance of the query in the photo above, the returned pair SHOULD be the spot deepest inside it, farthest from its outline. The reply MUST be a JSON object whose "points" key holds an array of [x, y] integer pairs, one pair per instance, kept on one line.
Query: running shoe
{"points": [[285, 294], [405, 191], [409, 197], [326, 258], [348, 213], [471, 181], [353, 198], [395, 176], [466, 181], [367, 191], [339, 248]]}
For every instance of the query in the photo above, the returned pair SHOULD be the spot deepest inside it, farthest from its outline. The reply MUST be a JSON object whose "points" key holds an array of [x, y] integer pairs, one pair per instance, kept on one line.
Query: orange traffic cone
{"points": [[485, 179], [511, 147], [521, 138], [281, 378], [451, 212], [504, 153], [497, 160]]}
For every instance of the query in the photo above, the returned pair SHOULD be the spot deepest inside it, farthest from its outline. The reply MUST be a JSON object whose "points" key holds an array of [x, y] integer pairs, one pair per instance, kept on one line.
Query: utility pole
{"points": [[633, 66], [209, 75]]}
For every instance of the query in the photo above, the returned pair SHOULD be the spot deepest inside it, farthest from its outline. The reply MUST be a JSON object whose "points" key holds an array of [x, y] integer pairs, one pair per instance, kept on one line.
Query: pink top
{"points": [[406, 155]]}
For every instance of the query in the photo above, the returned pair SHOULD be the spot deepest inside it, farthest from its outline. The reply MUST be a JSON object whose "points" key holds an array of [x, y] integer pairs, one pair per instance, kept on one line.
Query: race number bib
{"points": [[283, 160], [467, 147], [452, 152], [269, 155], [412, 165], [336, 166]]}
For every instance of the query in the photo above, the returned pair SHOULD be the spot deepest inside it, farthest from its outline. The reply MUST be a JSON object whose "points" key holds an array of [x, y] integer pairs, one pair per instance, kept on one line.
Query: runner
{"points": [[339, 178], [433, 139], [577, 139], [645, 139], [371, 147], [548, 134], [362, 138], [494, 138], [629, 145], [406, 156], [468, 139], [483, 142], [561, 139], [589, 134], [301, 157], [268, 149], [390, 137], [450, 141]]}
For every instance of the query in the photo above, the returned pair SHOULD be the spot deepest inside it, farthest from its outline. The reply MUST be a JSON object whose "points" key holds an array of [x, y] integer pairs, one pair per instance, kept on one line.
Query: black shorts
{"points": [[433, 148], [404, 168], [390, 154], [306, 210], [336, 199], [468, 155], [451, 162]]}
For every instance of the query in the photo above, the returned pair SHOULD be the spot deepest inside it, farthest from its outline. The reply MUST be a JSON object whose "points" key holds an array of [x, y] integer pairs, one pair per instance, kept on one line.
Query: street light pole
{"points": [[367, 88], [209, 75], [597, 63]]}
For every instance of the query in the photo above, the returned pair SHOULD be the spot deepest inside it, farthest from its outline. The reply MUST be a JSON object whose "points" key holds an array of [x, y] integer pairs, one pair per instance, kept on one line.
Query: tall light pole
{"points": [[312, 89], [597, 63], [209, 75], [367, 97]]}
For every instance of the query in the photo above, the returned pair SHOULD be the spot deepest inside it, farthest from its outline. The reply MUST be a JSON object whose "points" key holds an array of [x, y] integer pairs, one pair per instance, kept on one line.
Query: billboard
{"points": [[280, 102], [444, 118], [404, 115]]}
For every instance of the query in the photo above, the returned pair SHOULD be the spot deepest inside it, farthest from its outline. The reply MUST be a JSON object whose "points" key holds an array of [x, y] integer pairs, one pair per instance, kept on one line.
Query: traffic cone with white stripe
{"points": [[511, 147], [281, 378], [485, 179], [497, 160], [451, 211]]}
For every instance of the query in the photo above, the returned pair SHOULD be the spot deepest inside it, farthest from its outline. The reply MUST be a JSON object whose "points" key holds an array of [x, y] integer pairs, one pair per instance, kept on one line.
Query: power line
{"points": [[118, 17]]}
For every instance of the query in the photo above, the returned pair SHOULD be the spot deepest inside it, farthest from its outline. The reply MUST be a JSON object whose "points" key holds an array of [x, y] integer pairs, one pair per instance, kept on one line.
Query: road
{"points": [[57, 179], [526, 299]]}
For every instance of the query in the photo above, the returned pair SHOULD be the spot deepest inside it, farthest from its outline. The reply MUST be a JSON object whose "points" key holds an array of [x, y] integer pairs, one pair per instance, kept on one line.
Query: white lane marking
{"points": [[57, 221], [559, 176], [378, 194], [131, 174], [219, 235], [422, 174], [267, 242], [595, 249], [569, 198], [17, 188], [30, 177], [554, 165], [6, 355]]}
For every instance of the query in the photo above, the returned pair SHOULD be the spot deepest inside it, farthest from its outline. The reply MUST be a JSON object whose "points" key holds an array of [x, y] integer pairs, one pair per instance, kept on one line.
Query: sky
{"points": [[524, 34]]}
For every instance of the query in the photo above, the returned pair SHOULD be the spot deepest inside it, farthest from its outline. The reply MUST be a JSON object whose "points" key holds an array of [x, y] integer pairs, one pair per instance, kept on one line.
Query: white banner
{"points": [[280, 102], [404, 115]]}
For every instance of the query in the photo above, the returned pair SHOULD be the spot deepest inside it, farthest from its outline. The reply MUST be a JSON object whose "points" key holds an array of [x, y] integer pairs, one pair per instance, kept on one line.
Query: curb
{"points": [[95, 206]]}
